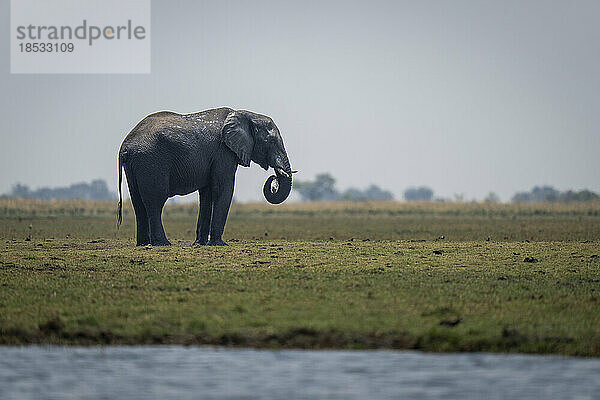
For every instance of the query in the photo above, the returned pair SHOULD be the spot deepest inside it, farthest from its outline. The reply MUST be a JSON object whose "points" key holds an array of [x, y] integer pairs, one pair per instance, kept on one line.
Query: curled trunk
{"points": [[277, 188]]}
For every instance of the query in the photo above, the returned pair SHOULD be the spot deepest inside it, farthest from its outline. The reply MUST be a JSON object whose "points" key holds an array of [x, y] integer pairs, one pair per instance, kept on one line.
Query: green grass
{"points": [[308, 276]]}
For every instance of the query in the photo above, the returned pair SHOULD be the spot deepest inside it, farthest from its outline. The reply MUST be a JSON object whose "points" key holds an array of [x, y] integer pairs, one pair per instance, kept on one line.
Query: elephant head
{"points": [[255, 137]]}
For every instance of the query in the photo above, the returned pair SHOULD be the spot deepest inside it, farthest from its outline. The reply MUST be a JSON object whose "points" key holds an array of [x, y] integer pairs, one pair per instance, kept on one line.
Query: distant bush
{"points": [[422, 193], [582, 195], [492, 198], [323, 189], [95, 190], [550, 194], [371, 193]]}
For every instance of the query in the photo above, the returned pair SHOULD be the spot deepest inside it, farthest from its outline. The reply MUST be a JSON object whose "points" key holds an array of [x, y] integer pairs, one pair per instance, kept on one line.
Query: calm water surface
{"points": [[141, 372]]}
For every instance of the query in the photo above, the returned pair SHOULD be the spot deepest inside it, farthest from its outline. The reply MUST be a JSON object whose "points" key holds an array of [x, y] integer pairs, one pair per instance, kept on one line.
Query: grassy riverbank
{"points": [[503, 278]]}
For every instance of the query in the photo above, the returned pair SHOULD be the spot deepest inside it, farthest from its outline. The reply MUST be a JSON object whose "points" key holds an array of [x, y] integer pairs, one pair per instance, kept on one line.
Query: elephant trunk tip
{"points": [[277, 188]]}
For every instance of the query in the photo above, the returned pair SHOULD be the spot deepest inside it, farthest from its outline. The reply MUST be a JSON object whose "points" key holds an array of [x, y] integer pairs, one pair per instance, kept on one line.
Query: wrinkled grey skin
{"points": [[169, 154]]}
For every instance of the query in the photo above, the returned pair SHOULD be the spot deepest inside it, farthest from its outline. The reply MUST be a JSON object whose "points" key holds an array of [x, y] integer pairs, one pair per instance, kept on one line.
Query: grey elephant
{"points": [[169, 154]]}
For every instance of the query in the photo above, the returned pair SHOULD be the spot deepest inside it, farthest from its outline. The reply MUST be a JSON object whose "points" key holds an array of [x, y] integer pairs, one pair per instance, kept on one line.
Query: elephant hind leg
{"points": [[153, 191], [157, 233], [141, 216], [221, 197]]}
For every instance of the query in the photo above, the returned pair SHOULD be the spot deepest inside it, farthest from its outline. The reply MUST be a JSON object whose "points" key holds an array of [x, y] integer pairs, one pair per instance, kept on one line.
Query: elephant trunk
{"points": [[277, 187]]}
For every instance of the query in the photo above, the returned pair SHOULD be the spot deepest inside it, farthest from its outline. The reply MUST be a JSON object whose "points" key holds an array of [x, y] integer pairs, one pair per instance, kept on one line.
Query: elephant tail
{"points": [[120, 207]]}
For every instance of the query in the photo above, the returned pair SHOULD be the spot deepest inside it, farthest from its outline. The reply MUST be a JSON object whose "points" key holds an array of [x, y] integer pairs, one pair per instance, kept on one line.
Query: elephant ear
{"points": [[238, 137]]}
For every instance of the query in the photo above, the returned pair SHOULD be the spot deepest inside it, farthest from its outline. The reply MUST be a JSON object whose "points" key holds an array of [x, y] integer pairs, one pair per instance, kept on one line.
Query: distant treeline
{"points": [[95, 190], [323, 189], [548, 193]]}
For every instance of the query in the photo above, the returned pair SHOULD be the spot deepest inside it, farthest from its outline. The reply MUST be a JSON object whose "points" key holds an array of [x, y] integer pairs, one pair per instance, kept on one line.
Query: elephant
{"points": [[168, 154]]}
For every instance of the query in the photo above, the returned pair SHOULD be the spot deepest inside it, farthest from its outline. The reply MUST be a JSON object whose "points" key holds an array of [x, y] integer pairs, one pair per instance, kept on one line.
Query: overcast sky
{"points": [[463, 96]]}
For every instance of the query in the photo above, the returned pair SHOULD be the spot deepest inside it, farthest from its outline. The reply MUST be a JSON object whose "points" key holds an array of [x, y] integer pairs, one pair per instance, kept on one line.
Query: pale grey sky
{"points": [[463, 96]]}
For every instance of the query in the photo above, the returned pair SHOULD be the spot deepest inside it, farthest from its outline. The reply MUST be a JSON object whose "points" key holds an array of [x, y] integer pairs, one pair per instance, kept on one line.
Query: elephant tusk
{"points": [[293, 172], [282, 172]]}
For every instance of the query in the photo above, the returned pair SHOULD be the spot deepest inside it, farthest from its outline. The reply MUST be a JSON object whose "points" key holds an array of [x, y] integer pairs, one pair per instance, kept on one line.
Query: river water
{"points": [[142, 372]]}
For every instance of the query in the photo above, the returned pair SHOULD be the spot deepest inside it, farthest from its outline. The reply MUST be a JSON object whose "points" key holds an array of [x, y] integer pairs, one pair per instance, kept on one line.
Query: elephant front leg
{"points": [[221, 205], [204, 216]]}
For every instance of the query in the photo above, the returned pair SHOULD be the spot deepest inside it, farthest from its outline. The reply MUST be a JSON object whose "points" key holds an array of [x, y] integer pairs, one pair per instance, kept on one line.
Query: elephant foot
{"points": [[200, 243], [217, 242], [142, 243]]}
